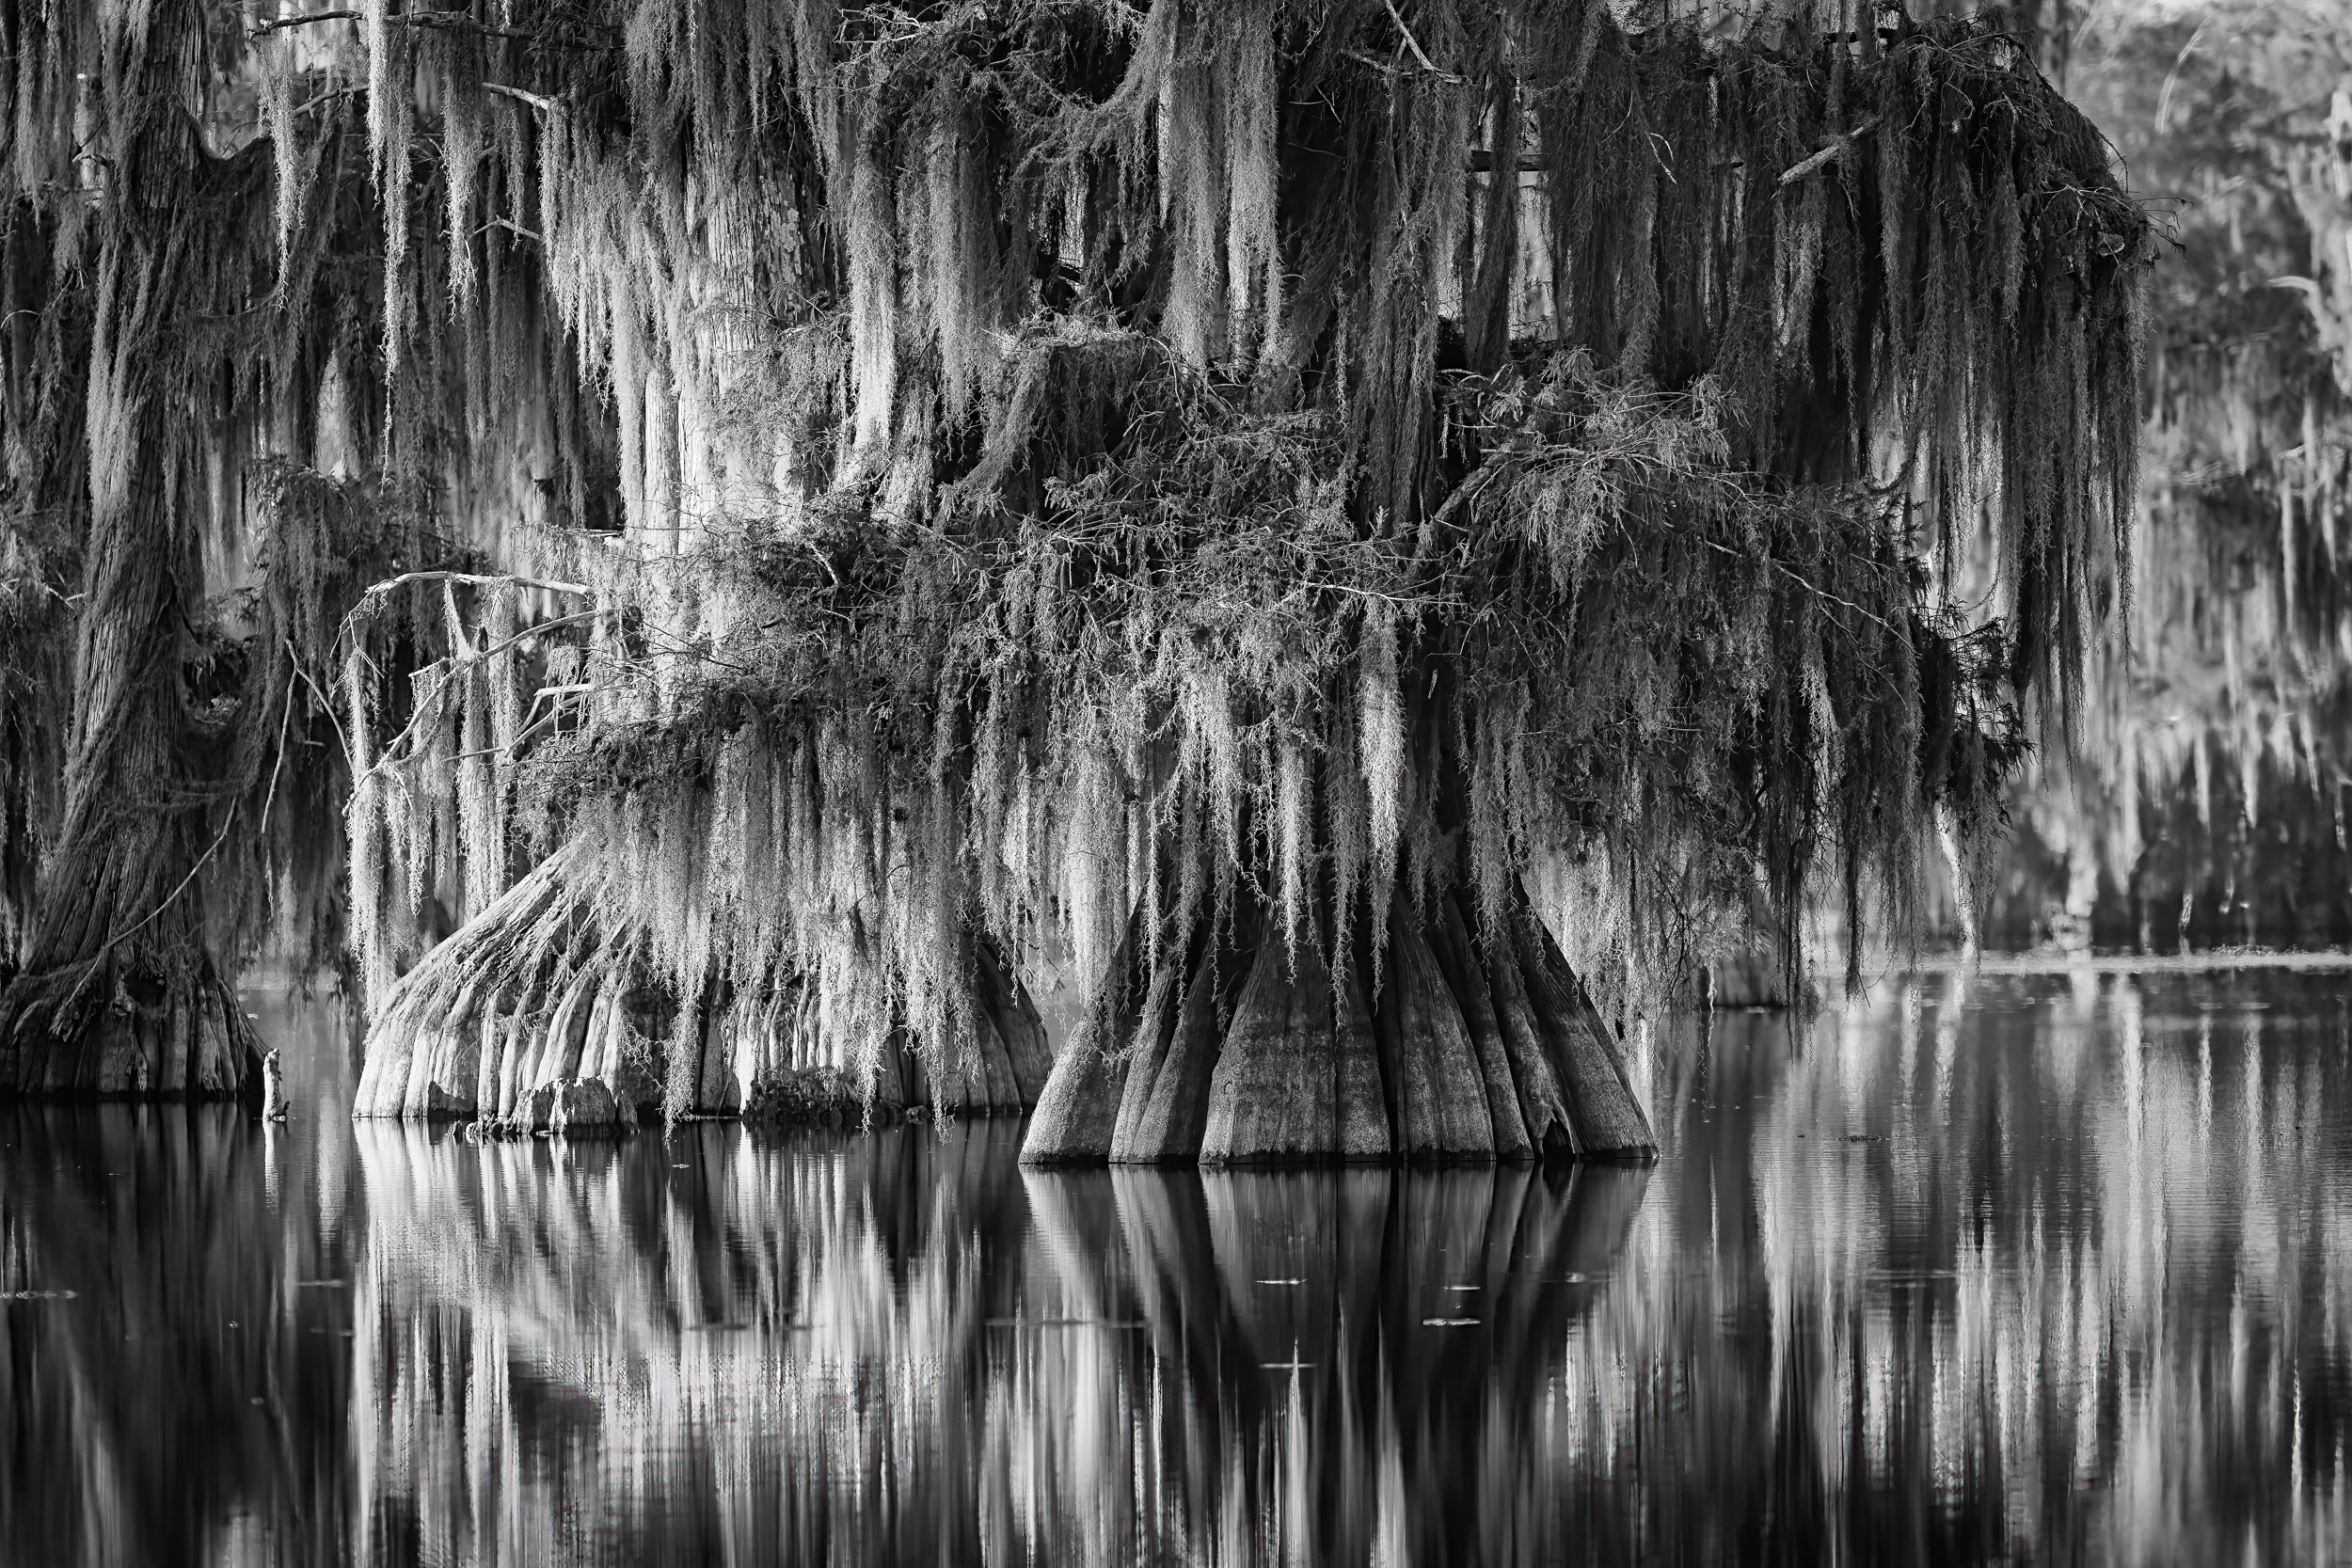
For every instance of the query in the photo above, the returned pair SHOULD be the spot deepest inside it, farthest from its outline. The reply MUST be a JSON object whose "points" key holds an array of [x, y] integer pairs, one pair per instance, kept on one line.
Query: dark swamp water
{"points": [[2042, 1269]]}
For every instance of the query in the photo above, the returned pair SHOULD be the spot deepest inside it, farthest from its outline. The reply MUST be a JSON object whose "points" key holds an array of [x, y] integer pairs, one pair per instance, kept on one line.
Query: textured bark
{"points": [[1458, 959], [1165, 1121], [1298, 1078], [1605, 1120], [1364, 1134], [977, 1077], [1148, 1055], [129, 1034], [1272, 1095], [1077, 1116], [120, 994], [1543, 1101], [1474, 1050], [1437, 1090], [1028, 1051], [466, 1036]]}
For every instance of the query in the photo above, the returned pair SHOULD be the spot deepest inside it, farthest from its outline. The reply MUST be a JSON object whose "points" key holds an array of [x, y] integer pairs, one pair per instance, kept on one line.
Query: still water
{"points": [[2051, 1269]]}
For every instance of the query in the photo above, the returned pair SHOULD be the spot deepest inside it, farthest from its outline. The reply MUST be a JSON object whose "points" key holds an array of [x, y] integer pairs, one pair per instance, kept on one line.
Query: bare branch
{"points": [[544, 105], [1410, 41], [512, 228], [453, 20], [476, 580], [275, 24], [1839, 147], [374, 596]]}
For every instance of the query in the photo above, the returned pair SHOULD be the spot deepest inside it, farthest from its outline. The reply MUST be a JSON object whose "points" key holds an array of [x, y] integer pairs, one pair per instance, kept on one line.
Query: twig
{"points": [[515, 747], [544, 105], [453, 20], [1838, 146], [324, 702], [512, 228], [1410, 41], [1810, 587], [450, 669], [1389, 68]]}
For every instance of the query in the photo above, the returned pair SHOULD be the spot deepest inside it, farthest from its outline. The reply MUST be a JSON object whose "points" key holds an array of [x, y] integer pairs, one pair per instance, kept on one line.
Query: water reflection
{"points": [[175, 1379], [903, 1347], [2053, 1272]]}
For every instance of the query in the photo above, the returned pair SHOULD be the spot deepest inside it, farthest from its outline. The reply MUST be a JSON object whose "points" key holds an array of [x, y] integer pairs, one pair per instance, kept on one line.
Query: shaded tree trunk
{"points": [[119, 994], [1424, 1034], [1467, 1045]]}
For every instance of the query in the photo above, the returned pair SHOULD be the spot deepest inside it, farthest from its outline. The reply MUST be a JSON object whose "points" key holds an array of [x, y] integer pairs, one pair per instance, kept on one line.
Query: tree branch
{"points": [[329, 97], [1410, 41], [262, 29], [1838, 146], [374, 596], [544, 105], [512, 228], [455, 20]]}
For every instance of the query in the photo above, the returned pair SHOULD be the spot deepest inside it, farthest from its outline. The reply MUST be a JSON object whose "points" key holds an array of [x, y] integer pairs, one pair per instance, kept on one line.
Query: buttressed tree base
{"points": [[904, 523]]}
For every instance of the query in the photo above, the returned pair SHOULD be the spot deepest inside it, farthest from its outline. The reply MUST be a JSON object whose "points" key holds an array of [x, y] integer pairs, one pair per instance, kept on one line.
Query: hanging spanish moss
{"points": [[1170, 519]]}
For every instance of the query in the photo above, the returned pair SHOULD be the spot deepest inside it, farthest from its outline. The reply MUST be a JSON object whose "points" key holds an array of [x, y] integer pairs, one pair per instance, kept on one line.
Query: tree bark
{"points": [[1472, 1047], [120, 995], [1298, 1078], [1437, 1091], [1077, 1112]]}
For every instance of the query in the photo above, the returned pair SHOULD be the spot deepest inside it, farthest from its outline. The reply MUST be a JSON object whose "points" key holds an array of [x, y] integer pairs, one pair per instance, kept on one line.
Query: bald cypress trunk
{"points": [[1263, 1054], [118, 993]]}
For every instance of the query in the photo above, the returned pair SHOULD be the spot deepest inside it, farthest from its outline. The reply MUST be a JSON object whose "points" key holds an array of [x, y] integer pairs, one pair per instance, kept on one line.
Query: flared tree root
{"points": [[1461, 1046], [514, 1015], [127, 1028]]}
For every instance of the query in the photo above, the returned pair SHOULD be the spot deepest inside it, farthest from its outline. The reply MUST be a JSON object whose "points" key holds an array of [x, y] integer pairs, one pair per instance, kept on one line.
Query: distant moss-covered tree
{"points": [[1180, 513], [2208, 795]]}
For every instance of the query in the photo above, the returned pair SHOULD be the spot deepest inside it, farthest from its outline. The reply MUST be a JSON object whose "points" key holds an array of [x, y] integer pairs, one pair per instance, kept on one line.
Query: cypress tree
{"points": [[889, 520]]}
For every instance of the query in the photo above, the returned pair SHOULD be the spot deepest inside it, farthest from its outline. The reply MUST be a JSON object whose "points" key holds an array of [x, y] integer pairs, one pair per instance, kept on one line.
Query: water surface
{"points": [[2037, 1270]]}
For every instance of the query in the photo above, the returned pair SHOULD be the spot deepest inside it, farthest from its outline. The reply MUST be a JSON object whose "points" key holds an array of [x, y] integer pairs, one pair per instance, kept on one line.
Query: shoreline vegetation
{"points": [[2054, 962]]}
